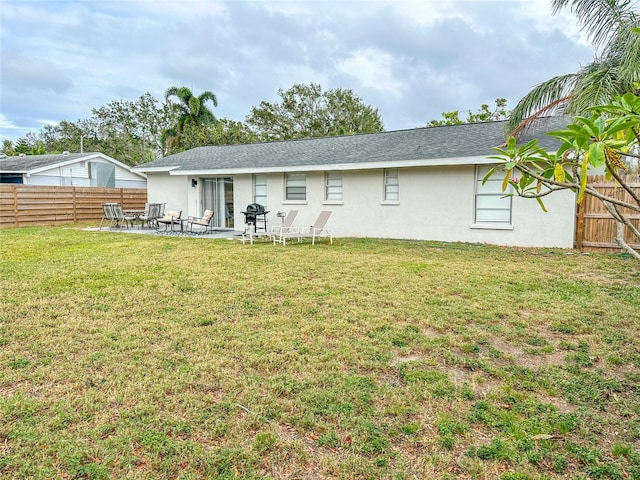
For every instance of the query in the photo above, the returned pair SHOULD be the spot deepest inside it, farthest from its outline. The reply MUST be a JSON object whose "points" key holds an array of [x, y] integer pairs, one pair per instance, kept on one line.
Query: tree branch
{"points": [[567, 186], [621, 222], [627, 154], [629, 190], [542, 194]]}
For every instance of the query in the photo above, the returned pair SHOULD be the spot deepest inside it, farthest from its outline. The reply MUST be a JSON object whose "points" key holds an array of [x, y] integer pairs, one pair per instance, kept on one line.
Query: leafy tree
{"points": [[608, 139], [30, 144], [130, 131], [7, 148], [609, 25], [22, 146], [38, 148], [72, 136], [223, 132], [482, 115], [133, 130], [306, 111], [190, 111]]}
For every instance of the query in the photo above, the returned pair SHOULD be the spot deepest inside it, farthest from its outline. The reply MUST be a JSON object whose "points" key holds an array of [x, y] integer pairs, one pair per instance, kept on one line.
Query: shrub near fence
{"points": [[30, 205]]}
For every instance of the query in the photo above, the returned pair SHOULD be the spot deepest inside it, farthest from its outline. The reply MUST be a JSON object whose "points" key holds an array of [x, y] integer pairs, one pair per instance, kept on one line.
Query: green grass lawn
{"points": [[131, 356]]}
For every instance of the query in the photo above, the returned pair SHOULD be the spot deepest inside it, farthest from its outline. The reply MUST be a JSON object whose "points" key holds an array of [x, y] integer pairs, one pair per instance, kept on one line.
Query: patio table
{"points": [[135, 213]]}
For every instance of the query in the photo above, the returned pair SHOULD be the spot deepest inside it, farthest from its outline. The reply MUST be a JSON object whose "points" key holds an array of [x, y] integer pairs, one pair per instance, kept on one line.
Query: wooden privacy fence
{"points": [[29, 205], [595, 228], [25, 205]]}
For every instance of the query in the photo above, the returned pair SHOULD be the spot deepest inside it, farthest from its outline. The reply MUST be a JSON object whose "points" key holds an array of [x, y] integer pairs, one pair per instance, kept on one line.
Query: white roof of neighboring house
{"points": [[33, 164]]}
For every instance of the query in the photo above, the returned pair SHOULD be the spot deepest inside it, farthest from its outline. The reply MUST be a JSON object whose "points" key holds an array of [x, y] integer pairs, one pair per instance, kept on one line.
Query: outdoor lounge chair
{"points": [[317, 230], [274, 232], [204, 221], [279, 233], [171, 217]]}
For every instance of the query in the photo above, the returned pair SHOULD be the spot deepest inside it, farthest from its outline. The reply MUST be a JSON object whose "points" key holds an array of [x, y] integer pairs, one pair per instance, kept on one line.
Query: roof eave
{"points": [[154, 169], [426, 162]]}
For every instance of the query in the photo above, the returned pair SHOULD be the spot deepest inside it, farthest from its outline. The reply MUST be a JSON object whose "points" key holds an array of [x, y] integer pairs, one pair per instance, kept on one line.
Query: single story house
{"points": [[70, 169], [424, 183]]}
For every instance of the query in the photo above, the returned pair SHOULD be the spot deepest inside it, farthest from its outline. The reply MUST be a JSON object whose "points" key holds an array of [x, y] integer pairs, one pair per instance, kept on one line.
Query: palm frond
{"points": [[551, 92], [543, 112], [171, 92], [624, 49], [207, 95], [599, 19], [194, 107], [595, 84]]}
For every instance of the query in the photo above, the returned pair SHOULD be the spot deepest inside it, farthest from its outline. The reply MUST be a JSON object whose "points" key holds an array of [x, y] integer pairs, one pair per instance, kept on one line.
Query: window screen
{"points": [[391, 184], [260, 189], [333, 186], [296, 186]]}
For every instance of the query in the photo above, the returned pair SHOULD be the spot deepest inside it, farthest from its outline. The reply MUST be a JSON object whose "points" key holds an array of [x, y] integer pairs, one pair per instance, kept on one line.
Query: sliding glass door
{"points": [[217, 195]]}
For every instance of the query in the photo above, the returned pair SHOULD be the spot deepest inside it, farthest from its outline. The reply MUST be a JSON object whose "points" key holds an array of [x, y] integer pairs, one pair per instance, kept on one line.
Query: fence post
{"points": [[15, 206], [75, 205], [579, 226]]}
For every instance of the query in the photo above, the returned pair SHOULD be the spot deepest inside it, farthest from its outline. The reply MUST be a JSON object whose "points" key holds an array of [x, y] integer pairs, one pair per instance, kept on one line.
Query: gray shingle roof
{"points": [[29, 163], [445, 142]]}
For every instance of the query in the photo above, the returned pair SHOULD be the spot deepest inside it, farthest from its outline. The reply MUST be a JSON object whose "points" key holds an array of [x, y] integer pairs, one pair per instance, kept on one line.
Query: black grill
{"points": [[255, 215]]}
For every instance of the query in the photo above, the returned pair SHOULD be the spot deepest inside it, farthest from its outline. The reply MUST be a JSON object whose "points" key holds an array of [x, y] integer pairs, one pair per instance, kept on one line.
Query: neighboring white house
{"points": [[70, 169], [424, 183]]}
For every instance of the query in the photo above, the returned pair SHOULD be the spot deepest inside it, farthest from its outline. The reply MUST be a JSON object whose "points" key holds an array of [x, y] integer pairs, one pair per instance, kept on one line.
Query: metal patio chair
{"points": [[170, 218], [205, 221], [108, 214], [121, 218], [152, 212]]}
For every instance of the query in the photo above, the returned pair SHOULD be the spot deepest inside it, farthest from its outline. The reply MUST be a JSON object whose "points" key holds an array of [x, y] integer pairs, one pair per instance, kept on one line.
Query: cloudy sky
{"points": [[412, 60]]}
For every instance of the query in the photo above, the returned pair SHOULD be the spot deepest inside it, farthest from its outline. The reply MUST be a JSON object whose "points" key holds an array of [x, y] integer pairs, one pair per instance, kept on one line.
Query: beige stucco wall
{"points": [[172, 191], [436, 203]]}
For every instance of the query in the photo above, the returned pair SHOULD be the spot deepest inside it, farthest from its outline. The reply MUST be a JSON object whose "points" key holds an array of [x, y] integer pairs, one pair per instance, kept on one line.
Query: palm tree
{"points": [[190, 110], [609, 25]]}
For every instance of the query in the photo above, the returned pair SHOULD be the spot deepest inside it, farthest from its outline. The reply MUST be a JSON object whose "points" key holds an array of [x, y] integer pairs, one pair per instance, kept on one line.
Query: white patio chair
{"points": [[317, 230], [279, 233]]}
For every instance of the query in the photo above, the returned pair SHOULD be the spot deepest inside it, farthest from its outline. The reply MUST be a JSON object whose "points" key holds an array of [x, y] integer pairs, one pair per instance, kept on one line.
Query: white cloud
{"points": [[22, 72], [373, 69]]}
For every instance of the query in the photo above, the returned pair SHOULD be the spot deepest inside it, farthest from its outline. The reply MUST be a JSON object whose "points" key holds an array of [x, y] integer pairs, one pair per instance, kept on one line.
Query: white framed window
{"points": [[260, 189], [391, 185], [295, 186], [333, 186], [491, 205]]}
